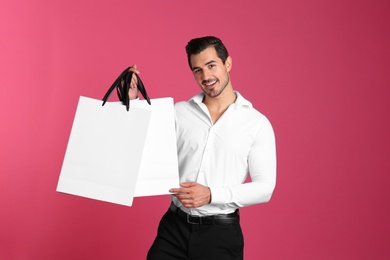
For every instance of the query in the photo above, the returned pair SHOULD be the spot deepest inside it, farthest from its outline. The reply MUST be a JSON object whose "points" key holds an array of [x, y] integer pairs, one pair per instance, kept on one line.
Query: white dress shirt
{"points": [[221, 155]]}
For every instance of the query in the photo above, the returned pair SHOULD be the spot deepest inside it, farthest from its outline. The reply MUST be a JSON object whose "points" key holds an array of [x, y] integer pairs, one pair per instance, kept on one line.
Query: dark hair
{"points": [[197, 45]]}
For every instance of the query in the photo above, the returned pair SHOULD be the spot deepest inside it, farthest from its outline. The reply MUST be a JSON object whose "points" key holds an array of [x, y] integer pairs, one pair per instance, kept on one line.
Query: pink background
{"points": [[318, 69]]}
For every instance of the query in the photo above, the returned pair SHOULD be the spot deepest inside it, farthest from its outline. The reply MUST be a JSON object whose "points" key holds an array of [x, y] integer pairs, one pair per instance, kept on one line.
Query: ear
{"points": [[228, 63]]}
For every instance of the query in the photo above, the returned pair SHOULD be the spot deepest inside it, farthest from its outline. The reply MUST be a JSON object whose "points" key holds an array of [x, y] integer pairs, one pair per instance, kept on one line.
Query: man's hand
{"points": [[133, 90], [192, 194]]}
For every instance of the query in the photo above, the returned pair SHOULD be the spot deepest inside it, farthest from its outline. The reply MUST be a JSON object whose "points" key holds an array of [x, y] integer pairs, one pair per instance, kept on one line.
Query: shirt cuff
{"points": [[217, 195]]}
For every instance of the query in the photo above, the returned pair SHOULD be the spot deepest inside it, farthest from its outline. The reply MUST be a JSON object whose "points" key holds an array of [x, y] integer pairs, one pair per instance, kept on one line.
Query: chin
{"points": [[213, 94]]}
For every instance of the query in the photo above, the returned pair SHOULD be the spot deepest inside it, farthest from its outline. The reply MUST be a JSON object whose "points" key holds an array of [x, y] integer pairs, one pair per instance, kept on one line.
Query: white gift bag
{"points": [[114, 154]]}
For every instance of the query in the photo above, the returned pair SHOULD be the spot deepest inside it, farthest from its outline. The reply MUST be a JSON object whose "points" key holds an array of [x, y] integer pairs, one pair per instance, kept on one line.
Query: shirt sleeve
{"points": [[262, 169]]}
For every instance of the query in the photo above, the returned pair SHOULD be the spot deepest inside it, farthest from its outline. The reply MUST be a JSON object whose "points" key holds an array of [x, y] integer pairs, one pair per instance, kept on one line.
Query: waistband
{"points": [[221, 219]]}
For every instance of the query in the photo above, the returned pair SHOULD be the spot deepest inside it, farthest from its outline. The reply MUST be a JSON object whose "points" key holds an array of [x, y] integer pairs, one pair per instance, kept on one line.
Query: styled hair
{"points": [[197, 45]]}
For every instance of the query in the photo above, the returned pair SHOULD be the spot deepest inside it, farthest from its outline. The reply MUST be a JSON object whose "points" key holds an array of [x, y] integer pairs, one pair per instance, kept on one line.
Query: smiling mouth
{"points": [[210, 83]]}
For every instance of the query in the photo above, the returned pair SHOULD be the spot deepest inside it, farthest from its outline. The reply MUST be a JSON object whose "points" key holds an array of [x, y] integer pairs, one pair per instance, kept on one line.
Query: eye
{"points": [[196, 71]]}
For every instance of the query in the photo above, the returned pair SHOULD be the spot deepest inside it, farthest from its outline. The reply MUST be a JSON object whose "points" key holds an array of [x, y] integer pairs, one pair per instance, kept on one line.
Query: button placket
{"points": [[205, 157]]}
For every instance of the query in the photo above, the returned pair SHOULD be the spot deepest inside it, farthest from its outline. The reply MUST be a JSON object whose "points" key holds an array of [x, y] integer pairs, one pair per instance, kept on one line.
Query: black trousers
{"points": [[176, 239]]}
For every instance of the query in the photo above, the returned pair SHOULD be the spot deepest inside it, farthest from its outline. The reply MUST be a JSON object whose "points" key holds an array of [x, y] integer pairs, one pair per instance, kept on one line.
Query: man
{"points": [[220, 139]]}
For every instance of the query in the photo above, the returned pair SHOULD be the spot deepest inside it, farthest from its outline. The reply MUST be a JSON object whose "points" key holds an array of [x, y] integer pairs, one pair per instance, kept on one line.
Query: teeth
{"points": [[210, 83]]}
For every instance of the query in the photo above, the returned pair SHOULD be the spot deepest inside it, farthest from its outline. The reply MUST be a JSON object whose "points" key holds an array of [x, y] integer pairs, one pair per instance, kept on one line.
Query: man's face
{"points": [[209, 71]]}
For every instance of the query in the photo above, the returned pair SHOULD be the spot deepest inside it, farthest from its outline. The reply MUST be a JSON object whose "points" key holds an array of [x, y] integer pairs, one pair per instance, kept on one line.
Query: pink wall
{"points": [[318, 69]]}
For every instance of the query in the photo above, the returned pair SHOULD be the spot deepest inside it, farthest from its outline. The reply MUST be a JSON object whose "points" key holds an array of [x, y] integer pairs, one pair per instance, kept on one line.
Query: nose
{"points": [[206, 74]]}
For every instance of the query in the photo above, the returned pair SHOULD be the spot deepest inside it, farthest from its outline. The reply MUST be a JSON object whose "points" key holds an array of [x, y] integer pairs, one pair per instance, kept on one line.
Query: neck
{"points": [[218, 105], [221, 102]]}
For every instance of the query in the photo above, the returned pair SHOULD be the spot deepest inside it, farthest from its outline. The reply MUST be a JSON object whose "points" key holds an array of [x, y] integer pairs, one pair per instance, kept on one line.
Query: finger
{"points": [[188, 204], [188, 184], [178, 190], [183, 200], [181, 195], [134, 82], [134, 69]]}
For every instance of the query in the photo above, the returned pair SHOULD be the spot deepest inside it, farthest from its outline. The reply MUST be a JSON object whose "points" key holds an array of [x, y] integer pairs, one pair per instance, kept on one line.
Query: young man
{"points": [[220, 139]]}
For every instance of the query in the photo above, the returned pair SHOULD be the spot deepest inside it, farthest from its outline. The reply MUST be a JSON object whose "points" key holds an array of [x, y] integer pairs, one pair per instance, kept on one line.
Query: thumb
{"points": [[187, 184]]}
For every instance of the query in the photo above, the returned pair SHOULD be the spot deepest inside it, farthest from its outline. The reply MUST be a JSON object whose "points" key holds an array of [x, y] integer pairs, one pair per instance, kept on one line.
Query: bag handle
{"points": [[123, 92]]}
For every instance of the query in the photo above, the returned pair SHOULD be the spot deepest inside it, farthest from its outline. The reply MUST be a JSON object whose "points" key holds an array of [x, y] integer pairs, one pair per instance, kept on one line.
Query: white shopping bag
{"points": [[159, 166], [111, 150]]}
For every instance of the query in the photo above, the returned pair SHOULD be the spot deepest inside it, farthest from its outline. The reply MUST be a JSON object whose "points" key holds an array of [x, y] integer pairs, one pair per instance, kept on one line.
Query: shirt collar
{"points": [[240, 101]]}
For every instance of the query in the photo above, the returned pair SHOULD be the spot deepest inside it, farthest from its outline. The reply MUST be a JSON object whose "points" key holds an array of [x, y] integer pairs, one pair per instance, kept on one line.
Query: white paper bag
{"points": [[159, 169], [110, 149]]}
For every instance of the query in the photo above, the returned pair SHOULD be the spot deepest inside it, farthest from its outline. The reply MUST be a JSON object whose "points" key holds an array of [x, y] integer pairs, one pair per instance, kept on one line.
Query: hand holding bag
{"points": [[122, 85], [115, 154]]}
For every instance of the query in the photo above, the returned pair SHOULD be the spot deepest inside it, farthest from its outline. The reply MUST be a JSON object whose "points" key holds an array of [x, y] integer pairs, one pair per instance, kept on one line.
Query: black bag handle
{"points": [[123, 92]]}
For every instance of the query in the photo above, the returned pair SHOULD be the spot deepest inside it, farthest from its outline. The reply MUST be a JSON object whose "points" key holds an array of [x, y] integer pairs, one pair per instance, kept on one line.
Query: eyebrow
{"points": [[207, 63]]}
